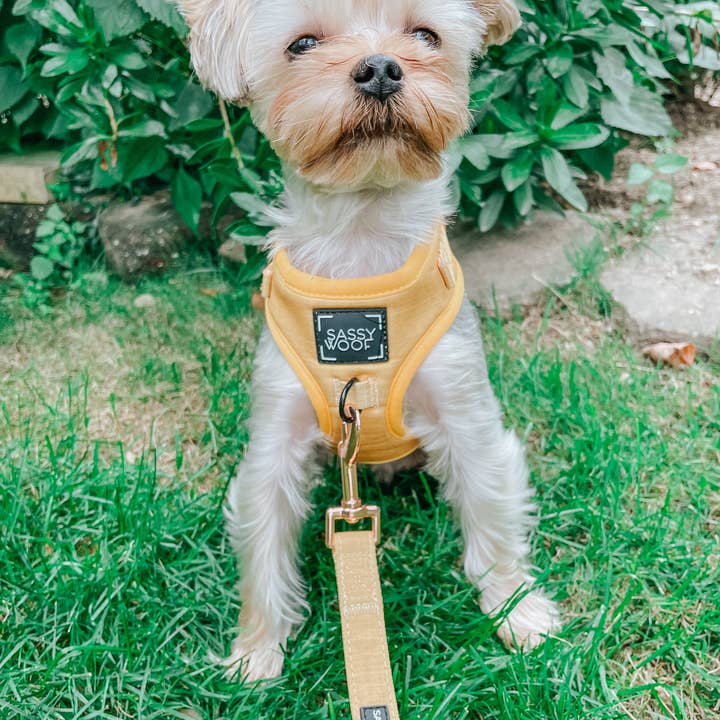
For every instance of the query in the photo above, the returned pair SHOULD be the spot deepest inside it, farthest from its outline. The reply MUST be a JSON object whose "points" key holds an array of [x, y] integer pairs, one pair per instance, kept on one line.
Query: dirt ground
{"points": [[697, 186]]}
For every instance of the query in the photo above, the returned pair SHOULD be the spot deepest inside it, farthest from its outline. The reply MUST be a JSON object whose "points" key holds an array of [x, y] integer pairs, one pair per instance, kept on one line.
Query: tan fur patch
{"points": [[502, 18], [322, 124]]}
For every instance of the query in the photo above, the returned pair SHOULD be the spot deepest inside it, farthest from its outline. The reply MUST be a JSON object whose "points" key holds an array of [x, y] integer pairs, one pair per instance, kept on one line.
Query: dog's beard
{"points": [[376, 144], [333, 135]]}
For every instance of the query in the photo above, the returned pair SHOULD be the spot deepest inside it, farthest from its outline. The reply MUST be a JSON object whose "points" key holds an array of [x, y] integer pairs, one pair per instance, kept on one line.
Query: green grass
{"points": [[120, 427]]}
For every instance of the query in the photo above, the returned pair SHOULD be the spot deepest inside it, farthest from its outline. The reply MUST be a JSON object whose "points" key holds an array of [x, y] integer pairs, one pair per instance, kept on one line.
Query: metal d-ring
{"points": [[345, 417]]}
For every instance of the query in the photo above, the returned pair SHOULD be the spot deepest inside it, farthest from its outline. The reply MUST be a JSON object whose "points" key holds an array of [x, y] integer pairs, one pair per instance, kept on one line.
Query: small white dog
{"points": [[360, 98]]}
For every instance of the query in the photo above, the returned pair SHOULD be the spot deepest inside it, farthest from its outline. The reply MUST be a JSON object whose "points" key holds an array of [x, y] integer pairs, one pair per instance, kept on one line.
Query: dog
{"points": [[361, 99]]}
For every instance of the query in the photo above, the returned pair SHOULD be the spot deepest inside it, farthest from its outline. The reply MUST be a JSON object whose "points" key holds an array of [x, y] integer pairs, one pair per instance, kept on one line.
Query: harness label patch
{"points": [[347, 337], [375, 713]]}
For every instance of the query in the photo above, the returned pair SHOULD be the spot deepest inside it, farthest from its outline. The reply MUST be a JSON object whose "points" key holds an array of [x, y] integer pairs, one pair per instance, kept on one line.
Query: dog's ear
{"points": [[502, 19], [218, 44]]}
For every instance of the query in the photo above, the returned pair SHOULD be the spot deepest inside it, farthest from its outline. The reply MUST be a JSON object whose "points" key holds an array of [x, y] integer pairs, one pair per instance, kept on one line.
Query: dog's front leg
{"points": [[266, 506], [481, 467]]}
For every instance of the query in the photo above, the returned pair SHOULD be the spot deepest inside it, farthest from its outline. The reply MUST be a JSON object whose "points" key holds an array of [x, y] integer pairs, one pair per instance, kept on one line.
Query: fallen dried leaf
{"points": [[706, 166], [674, 354], [210, 292]]}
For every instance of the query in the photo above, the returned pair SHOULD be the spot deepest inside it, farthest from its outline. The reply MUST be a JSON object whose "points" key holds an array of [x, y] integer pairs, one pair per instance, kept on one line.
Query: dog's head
{"points": [[349, 92]]}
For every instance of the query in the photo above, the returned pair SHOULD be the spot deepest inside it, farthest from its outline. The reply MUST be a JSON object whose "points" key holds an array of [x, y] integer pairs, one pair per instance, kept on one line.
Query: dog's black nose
{"points": [[378, 76]]}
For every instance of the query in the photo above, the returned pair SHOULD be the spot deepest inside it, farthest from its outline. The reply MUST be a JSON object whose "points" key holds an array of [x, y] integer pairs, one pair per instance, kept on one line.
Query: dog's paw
{"points": [[253, 663], [530, 621]]}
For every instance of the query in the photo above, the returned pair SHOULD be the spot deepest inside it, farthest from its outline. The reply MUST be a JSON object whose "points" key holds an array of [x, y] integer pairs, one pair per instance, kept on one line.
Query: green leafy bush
{"points": [[59, 244], [111, 82], [549, 105]]}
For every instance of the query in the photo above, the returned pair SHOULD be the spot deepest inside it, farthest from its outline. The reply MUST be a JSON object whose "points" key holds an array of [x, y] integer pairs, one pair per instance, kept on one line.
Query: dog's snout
{"points": [[378, 76]]}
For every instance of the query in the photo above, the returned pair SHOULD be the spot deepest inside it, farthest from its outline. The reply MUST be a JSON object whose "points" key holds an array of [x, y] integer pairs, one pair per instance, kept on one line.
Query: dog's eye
{"points": [[303, 44], [429, 37]]}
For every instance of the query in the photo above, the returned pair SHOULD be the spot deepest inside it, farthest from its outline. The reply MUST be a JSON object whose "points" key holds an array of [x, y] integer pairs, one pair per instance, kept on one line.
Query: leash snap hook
{"points": [[351, 510]]}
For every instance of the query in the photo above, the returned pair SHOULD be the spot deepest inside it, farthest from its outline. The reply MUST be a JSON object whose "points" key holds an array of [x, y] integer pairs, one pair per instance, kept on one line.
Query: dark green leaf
{"points": [[244, 229], [559, 60], [643, 114], [64, 10], [590, 79], [520, 54], [41, 268], [575, 88], [535, 78], [601, 160], [504, 146], [606, 35], [482, 85], [129, 59], [611, 69], [670, 164], [517, 171], [506, 82], [81, 151], [138, 89], [508, 116], [579, 136], [453, 157], [12, 87], [117, 18], [192, 104], [22, 7], [647, 59], [589, 8], [186, 195], [253, 206], [24, 110], [21, 38], [473, 149], [639, 174], [557, 172], [565, 114], [491, 210], [145, 128], [140, 158], [471, 191], [660, 192], [523, 199], [70, 64], [165, 12]]}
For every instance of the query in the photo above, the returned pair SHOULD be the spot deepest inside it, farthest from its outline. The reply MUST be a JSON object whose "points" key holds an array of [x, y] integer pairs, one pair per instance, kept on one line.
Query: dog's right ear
{"points": [[218, 44], [502, 19]]}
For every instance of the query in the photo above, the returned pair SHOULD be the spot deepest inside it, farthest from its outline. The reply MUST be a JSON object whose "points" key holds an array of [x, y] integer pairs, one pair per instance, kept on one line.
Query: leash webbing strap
{"points": [[367, 661]]}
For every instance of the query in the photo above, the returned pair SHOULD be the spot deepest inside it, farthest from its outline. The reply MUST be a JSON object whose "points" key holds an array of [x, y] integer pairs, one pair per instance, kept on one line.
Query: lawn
{"points": [[121, 425]]}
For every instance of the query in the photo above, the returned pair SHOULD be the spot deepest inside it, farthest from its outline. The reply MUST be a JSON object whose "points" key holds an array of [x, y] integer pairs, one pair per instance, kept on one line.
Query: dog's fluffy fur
{"points": [[364, 185]]}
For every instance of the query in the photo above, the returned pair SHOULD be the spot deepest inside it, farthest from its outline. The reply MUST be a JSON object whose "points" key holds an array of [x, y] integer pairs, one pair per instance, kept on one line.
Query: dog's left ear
{"points": [[502, 19]]}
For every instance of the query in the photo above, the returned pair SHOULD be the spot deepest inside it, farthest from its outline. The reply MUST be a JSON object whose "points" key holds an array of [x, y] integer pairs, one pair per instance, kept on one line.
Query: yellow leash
{"points": [[367, 661]]}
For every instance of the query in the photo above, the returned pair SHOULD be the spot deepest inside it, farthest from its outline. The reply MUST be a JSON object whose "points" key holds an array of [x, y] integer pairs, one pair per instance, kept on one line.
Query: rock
{"points": [[143, 238], [17, 233], [233, 251], [519, 263], [24, 178], [670, 287], [144, 301]]}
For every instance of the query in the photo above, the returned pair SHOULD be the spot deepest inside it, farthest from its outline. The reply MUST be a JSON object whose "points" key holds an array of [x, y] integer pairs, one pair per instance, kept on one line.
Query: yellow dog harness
{"points": [[377, 329]]}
